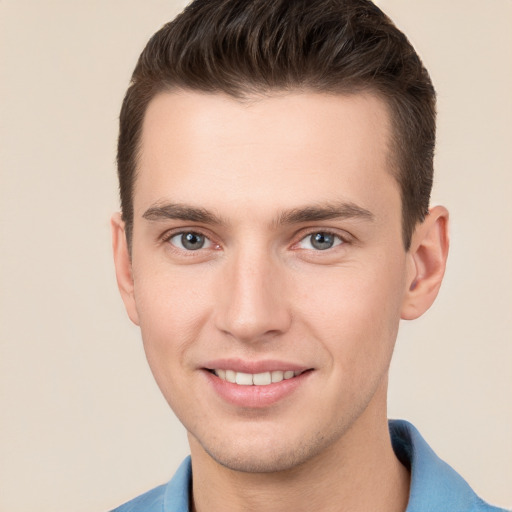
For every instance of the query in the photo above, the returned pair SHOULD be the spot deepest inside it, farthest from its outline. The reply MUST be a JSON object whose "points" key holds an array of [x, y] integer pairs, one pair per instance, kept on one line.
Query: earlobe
{"points": [[123, 266], [427, 263]]}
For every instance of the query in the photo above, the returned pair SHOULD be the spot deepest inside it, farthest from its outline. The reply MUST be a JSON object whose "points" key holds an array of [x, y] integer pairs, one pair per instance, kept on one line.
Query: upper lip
{"points": [[245, 366]]}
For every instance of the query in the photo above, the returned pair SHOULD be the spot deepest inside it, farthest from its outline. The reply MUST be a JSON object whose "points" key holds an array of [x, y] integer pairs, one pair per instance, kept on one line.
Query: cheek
{"points": [[169, 325], [172, 310], [357, 311], [169, 299]]}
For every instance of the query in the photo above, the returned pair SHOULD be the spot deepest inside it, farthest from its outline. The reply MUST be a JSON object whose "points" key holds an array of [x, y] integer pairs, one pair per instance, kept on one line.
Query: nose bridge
{"points": [[253, 306]]}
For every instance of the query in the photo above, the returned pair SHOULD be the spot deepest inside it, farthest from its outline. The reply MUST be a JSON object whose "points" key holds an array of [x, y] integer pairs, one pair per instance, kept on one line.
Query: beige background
{"points": [[83, 426]]}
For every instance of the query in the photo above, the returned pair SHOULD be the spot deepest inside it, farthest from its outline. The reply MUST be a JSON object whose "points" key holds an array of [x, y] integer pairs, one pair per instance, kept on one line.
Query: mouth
{"points": [[255, 379], [256, 384]]}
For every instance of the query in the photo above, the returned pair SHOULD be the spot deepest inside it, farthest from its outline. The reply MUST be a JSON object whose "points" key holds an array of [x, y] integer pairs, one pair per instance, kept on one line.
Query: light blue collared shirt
{"points": [[435, 486]]}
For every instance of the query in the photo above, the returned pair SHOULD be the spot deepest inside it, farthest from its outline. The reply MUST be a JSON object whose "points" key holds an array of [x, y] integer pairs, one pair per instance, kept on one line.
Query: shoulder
{"points": [[434, 484], [170, 497], [151, 501]]}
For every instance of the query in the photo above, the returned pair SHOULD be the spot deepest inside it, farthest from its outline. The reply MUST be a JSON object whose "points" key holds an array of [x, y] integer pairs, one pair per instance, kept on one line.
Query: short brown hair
{"points": [[244, 47]]}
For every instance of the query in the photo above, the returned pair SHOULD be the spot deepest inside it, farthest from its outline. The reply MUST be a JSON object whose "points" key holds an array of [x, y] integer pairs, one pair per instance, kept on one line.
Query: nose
{"points": [[252, 304]]}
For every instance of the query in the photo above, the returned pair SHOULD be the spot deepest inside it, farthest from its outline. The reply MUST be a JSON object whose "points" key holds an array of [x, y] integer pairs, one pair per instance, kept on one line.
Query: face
{"points": [[268, 269]]}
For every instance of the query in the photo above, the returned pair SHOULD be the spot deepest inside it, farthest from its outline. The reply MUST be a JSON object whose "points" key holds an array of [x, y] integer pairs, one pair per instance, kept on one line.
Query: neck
{"points": [[360, 472]]}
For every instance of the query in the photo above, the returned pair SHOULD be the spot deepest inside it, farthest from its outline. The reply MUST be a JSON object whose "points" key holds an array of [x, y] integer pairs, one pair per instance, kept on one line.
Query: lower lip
{"points": [[255, 396]]}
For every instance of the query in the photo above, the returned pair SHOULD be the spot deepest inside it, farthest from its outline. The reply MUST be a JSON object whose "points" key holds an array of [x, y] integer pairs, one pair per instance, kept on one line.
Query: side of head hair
{"points": [[247, 47]]}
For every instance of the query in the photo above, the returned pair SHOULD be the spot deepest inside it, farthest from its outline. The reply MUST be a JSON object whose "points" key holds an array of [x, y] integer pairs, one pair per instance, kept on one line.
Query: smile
{"points": [[258, 390], [255, 379]]}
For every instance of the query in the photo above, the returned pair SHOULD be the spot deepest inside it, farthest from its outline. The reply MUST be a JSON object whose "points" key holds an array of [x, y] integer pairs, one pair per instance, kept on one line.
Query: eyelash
{"points": [[167, 237], [326, 233], [304, 235]]}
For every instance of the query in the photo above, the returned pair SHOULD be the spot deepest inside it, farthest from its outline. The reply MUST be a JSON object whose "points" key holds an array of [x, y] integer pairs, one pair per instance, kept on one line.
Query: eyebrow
{"points": [[324, 212], [181, 212], [344, 210]]}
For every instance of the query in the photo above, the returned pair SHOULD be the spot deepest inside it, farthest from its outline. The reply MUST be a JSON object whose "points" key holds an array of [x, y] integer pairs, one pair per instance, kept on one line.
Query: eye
{"points": [[190, 241], [320, 241]]}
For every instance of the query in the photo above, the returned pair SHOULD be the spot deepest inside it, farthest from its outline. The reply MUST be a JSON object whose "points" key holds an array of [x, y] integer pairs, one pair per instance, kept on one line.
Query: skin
{"points": [[266, 170]]}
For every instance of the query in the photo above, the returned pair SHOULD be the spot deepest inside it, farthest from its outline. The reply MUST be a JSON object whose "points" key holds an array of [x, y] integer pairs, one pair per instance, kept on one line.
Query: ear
{"points": [[123, 265], [427, 262]]}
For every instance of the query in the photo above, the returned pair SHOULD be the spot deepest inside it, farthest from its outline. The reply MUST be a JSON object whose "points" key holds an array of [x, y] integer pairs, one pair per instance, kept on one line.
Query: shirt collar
{"points": [[177, 492], [434, 484]]}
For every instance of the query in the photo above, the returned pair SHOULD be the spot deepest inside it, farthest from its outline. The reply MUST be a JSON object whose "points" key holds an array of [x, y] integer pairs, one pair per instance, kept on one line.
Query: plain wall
{"points": [[83, 426]]}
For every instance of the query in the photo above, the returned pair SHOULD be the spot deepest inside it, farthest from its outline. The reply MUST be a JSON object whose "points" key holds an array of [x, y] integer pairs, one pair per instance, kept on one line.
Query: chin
{"points": [[266, 455], [258, 462]]}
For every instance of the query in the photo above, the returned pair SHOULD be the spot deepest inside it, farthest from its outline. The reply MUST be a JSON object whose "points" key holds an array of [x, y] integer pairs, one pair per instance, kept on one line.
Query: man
{"points": [[275, 166]]}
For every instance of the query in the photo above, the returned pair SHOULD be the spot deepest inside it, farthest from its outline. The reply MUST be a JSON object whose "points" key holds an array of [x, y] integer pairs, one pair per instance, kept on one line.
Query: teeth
{"points": [[262, 379], [244, 379], [277, 376], [256, 379]]}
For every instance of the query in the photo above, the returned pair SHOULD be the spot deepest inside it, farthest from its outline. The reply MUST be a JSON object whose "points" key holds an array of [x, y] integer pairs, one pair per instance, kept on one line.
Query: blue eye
{"points": [[320, 241], [190, 241]]}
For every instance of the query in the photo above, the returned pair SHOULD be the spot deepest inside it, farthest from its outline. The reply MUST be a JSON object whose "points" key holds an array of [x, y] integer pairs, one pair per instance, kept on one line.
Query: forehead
{"points": [[267, 151]]}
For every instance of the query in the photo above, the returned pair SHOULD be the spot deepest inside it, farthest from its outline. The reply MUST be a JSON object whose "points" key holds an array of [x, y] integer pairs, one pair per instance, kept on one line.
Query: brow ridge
{"points": [[312, 213], [327, 211], [178, 211]]}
